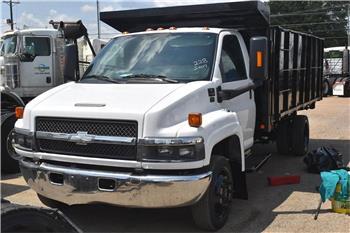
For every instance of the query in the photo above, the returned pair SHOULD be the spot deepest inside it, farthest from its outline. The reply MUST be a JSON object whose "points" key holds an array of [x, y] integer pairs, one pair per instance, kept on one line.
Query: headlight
{"points": [[23, 139], [172, 149]]}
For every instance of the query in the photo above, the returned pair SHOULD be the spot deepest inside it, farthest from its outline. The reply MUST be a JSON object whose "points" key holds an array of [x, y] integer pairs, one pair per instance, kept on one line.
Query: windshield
{"points": [[179, 57], [9, 45]]}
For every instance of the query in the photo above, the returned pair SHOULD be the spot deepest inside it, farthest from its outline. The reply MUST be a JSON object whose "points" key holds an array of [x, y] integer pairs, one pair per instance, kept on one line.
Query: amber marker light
{"points": [[259, 59], [195, 119], [19, 112]]}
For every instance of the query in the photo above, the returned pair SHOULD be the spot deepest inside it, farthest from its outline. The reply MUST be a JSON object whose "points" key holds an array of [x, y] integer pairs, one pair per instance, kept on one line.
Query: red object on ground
{"points": [[282, 180]]}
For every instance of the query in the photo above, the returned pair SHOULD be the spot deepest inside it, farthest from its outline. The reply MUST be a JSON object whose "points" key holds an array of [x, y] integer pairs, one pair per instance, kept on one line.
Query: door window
{"points": [[37, 46], [232, 63]]}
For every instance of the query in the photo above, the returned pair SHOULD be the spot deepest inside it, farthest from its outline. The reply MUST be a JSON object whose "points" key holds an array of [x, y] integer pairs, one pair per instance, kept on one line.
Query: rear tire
{"points": [[212, 211], [326, 88], [51, 203], [300, 135], [283, 139]]}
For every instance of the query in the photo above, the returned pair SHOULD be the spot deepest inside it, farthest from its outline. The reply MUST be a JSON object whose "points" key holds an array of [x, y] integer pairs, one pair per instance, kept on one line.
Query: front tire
{"points": [[8, 164], [212, 211]]}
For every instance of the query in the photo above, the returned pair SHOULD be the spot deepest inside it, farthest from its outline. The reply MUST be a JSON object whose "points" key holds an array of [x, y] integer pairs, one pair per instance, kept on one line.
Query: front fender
{"points": [[216, 126]]}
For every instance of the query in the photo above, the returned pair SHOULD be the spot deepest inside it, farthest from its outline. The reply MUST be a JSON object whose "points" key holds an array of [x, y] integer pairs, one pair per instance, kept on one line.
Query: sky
{"points": [[30, 13]]}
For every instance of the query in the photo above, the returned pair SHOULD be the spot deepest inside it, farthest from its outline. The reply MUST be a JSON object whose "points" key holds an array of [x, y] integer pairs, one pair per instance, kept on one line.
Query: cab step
{"points": [[254, 162]]}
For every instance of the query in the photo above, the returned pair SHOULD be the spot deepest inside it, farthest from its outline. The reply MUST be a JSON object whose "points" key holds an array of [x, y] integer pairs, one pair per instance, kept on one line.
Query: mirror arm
{"points": [[230, 94]]}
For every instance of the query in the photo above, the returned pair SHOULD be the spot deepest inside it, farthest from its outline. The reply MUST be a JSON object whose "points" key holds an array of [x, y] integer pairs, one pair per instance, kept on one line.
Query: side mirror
{"points": [[258, 58], [70, 62]]}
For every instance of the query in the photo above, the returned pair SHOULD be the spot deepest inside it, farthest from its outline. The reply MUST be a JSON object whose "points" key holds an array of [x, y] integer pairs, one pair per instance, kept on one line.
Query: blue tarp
{"points": [[329, 183]]}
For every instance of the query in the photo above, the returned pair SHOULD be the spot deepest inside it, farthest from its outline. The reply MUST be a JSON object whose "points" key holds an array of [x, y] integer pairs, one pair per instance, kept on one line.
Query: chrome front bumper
{"points": [[79, 186]]}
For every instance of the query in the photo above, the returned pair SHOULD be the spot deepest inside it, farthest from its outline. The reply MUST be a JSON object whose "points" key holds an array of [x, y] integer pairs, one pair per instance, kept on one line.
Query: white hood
{"points": [[100, 101]]}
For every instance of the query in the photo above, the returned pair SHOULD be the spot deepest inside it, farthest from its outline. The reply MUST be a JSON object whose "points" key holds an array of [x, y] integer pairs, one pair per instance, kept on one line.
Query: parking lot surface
{"points": [[288, 208]]}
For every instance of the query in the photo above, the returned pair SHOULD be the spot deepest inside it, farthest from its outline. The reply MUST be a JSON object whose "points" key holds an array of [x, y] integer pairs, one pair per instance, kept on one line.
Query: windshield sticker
{"points": [[200, 64], [42, 69]]}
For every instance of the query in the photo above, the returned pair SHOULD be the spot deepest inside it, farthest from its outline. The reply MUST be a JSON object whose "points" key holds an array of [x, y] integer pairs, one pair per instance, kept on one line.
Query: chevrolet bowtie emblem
{"points": [[81, 138]]}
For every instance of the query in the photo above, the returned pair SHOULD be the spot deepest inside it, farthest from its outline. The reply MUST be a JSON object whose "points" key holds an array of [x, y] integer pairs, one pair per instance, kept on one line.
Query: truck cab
{"points": [[32, 61]]}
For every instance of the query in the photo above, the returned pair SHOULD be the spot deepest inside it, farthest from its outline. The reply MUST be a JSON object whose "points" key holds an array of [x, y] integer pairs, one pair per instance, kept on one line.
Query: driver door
{"points": [[233, 68], [36, 71]]}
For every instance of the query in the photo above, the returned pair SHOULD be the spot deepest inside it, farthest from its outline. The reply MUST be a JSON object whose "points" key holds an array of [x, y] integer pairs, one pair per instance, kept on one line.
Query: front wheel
{"points": [[212, 211]]}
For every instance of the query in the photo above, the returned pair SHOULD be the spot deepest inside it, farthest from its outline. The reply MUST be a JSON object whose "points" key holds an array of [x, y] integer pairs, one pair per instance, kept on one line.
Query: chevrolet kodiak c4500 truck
{"points": [[167, 112]]}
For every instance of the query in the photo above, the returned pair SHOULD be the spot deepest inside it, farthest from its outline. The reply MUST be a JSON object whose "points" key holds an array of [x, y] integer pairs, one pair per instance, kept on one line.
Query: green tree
{"points": [[326, 19]]}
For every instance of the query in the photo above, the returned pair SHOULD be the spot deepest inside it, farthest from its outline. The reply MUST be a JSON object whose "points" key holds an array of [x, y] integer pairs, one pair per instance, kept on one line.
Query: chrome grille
{"points": [[95, 127], [91, 127]]}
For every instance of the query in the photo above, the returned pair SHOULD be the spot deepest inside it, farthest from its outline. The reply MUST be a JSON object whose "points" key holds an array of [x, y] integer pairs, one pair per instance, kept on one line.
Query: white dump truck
{"points": [[167, 113]]}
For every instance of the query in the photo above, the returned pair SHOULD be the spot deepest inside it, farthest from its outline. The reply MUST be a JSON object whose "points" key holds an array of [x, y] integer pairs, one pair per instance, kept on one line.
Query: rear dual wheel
{"points": [[293, 136]]}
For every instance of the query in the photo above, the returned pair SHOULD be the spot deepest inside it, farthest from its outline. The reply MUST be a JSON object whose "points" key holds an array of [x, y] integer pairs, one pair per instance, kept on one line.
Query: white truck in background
{"points": [[166, 115], [336, 73], [32, 61]]}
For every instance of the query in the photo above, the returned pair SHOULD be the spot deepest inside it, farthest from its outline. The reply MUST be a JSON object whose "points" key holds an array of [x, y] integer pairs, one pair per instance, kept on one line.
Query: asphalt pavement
{"points": [[287, 208]]}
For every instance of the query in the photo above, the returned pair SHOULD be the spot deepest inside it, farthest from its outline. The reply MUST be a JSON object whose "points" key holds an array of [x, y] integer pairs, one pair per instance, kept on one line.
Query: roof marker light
{"points": [[172, 28]]}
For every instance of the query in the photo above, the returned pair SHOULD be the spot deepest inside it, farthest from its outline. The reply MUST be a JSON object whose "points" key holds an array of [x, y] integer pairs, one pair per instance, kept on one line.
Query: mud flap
{"points": [[239, 181]]}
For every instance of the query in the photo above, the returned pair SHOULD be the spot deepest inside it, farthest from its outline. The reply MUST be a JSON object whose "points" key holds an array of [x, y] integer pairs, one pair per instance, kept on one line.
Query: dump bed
{"points": [[295, 59], [295, 76]]}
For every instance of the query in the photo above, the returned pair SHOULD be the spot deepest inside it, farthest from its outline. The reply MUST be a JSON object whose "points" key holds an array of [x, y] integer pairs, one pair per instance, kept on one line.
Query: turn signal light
{"points": [[195, 119], [259, 59], [19, 112]]}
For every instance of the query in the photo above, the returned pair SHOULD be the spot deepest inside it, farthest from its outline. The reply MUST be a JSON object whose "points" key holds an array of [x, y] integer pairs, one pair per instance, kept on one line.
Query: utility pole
{"points": [[348, 31], [11, 3], [98, 19]]}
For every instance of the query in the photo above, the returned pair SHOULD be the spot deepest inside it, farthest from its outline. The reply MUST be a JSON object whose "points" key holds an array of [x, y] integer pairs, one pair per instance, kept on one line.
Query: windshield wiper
{"points": [[102, 77], [150, 76]]}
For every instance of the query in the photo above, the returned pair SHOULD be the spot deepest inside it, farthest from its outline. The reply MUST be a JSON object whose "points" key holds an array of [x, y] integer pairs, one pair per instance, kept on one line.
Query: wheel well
{"points": [[230, 148]]}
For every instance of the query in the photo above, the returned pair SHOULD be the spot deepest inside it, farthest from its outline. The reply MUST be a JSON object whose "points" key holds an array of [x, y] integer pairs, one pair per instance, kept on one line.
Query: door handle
{"points": [[48, 79]]}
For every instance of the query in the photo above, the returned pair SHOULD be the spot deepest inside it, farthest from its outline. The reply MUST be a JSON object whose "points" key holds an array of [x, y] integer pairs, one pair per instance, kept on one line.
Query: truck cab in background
{"points": [[32, 61], [336, 71]]}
